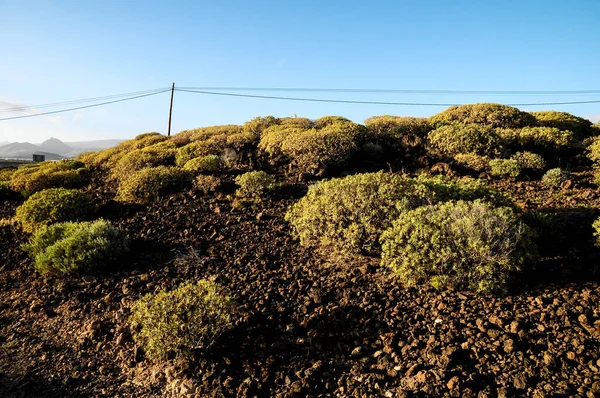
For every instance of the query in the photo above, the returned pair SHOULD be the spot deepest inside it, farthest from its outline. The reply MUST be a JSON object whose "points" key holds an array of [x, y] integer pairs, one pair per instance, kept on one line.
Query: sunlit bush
{"points": [[489, 114], [76, 246], [564, 121], [173, 324], [54, 205], [505, 167], [472, 161], [466, 245], [206, 183], [32, 178], [529, 160], [202, 164], [538, 138], [555, 177], [148, 184], [455, 139], [254, 184]]}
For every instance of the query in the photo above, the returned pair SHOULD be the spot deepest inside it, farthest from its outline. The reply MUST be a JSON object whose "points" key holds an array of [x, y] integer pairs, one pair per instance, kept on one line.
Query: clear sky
{"points": [[66, 50]]}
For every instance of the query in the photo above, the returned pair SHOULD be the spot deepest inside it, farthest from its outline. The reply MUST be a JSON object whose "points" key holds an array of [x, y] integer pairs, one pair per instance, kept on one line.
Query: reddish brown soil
{"points": [[307, 327]]}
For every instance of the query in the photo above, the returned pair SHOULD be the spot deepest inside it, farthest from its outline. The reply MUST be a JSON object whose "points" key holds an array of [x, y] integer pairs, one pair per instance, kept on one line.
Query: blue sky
{"points": [[65, 50]]}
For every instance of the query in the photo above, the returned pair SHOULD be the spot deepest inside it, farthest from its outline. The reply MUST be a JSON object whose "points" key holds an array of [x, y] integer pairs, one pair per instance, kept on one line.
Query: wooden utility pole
{"points": [[171, 110]]}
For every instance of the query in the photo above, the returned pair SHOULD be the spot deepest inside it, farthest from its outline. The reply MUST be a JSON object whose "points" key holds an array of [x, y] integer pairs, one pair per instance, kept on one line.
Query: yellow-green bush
{"points": [[108, 158], [68, 247], [161, 154], [254, 184], [555, 177], [505, 167], [529, 160], [259, 124], [596, 226], [218, 140], [206, 184], [272, 139], [472, 161], [54, 205], [466, 245], [175, 323], [148, 184], [394, 132], [541, 138], [348, 214], [564, 121], [202, 164], [32, 178], [489, 114], [593, 151], [6, 174], [301, 122], [326, 121], [454, 139]]}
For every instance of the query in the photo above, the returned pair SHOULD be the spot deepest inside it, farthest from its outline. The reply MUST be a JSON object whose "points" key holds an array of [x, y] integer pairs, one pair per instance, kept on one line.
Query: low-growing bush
{"points": [[32, 178], [54, 205], [596, 227], [202, 164], [489, 114], [175, 323], [529, 160], [505, 167], [538, 138], [466, 245], [593, 151], [555, 177], [207, 184], [348, 214], [452, 140], [148, 184], [472, 161], [161, 154], [564, 121], [68, 247], [254, 184], [6, 174]]}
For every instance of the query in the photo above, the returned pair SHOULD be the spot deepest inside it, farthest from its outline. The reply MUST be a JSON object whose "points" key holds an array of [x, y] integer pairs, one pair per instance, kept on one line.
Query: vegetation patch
{"points": [[529, 160], [31, 178], [555, 177], [207, 184], [202, 164], [505, 168], [466, 245], [54, 205], [472, 161], [452, 140], [148, 184], [254, 184], [564, 121], [489, 114], [175, 323], [69, 247]]}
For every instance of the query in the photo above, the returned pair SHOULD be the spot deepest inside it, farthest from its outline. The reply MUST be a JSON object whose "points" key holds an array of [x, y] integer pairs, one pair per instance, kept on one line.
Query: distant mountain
{"points": [[54, 145], [25, 150]]}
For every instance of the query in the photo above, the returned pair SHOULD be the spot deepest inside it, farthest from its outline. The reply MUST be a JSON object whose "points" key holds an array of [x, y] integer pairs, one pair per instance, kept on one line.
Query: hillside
{"points": [[450, 256]]}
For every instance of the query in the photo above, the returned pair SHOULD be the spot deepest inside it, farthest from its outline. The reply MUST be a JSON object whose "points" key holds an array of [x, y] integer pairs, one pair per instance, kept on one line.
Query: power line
{"points": [[86, 106], [108, 97], [397, 91], [366, 102]]}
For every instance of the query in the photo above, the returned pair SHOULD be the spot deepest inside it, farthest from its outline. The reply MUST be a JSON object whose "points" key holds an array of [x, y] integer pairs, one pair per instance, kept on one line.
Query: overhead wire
{"points": [[84, 100], [303, 99], [86, 106]]}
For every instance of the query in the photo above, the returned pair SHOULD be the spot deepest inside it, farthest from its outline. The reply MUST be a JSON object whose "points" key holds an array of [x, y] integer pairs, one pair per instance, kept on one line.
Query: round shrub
{"points": [[162, 154], [326, 121], [504, 168], [32, 178], [489, 114], [273, 137], [596, 226], [594, 151], [348, 214], [529, 160], [175, 323], [259, 124], [467, 245], [301, 122], [564, 121], [254, 184], [68, 247], [472, 161], [148, 184], [54, 205], [554, 177], [541, 138], [207, 184], [6, 174], [396, 132], [202, 164], [445, 188], [452, 140]]}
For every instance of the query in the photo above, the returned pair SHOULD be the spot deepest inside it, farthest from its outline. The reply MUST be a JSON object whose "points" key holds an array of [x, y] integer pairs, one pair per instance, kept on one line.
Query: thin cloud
{"points": [[594, 118], [9, 105]]}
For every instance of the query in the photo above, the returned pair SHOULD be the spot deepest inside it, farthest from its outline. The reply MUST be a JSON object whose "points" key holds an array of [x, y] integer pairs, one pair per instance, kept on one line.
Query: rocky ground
{"points": [[307, 326]]}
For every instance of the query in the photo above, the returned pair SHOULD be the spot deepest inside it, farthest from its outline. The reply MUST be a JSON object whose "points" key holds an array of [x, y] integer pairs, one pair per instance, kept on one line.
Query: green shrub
{"points": [[148, 184], [489, 114], [555, 177], [272, 139], [564, 121], [202, 164], [54, 205], [455, 139], [162, 154], [505, 167], [596, 226], [327, 121], [254, 184], [108, 158], [76, 246], [467, 245], [259, 124], [175, 323], [397, 132], [594, 151], [6, 174], [445, 188], [472, 161], [538, 138], [529, 160], [35, 177], [207, 184], [300, 122]]}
